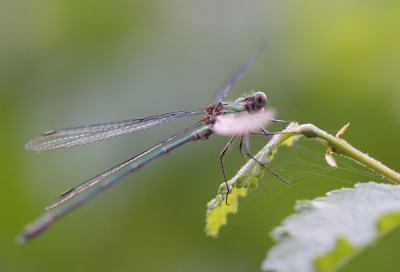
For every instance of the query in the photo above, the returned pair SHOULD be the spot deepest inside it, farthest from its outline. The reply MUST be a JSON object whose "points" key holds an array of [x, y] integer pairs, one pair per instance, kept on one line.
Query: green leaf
{"points": [[342, 249], [246, 179], [216, 218], [327, 232]]}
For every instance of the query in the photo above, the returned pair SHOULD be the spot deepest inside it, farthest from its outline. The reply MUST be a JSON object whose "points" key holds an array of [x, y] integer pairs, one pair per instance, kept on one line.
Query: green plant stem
{"points": [[340, 146], [248, 176]]}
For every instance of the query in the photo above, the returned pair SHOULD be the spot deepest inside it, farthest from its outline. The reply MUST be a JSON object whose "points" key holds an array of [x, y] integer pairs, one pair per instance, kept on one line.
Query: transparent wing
{"points": [[89, 183], [49, 218], [74, 136], [224, 90]]}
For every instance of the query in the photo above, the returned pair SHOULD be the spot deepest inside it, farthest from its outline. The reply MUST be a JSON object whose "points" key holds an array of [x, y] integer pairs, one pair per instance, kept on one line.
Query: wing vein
{"points": [[82, 135]]}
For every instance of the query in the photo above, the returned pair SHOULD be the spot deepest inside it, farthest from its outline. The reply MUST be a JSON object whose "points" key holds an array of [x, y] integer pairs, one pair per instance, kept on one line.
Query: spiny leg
{"points": [[240, 147], [264, 131], [262, 165], [280, 121], [222, 163]]}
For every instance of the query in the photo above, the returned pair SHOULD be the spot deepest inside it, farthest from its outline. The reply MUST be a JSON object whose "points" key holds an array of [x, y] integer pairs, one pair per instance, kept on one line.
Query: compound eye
{"points": [[259, 100]]}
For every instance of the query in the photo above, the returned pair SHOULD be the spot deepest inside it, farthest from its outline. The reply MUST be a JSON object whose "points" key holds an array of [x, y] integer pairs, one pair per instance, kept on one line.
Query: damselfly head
{"points": [[259, 100]]}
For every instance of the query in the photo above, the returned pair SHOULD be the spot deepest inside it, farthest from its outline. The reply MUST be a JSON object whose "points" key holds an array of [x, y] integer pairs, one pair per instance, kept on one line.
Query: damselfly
{"points": [[240, 118]]}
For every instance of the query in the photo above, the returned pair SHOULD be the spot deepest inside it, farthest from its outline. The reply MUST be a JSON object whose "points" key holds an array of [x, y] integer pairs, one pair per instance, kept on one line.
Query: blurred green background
{"points": [[68, 63]]}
